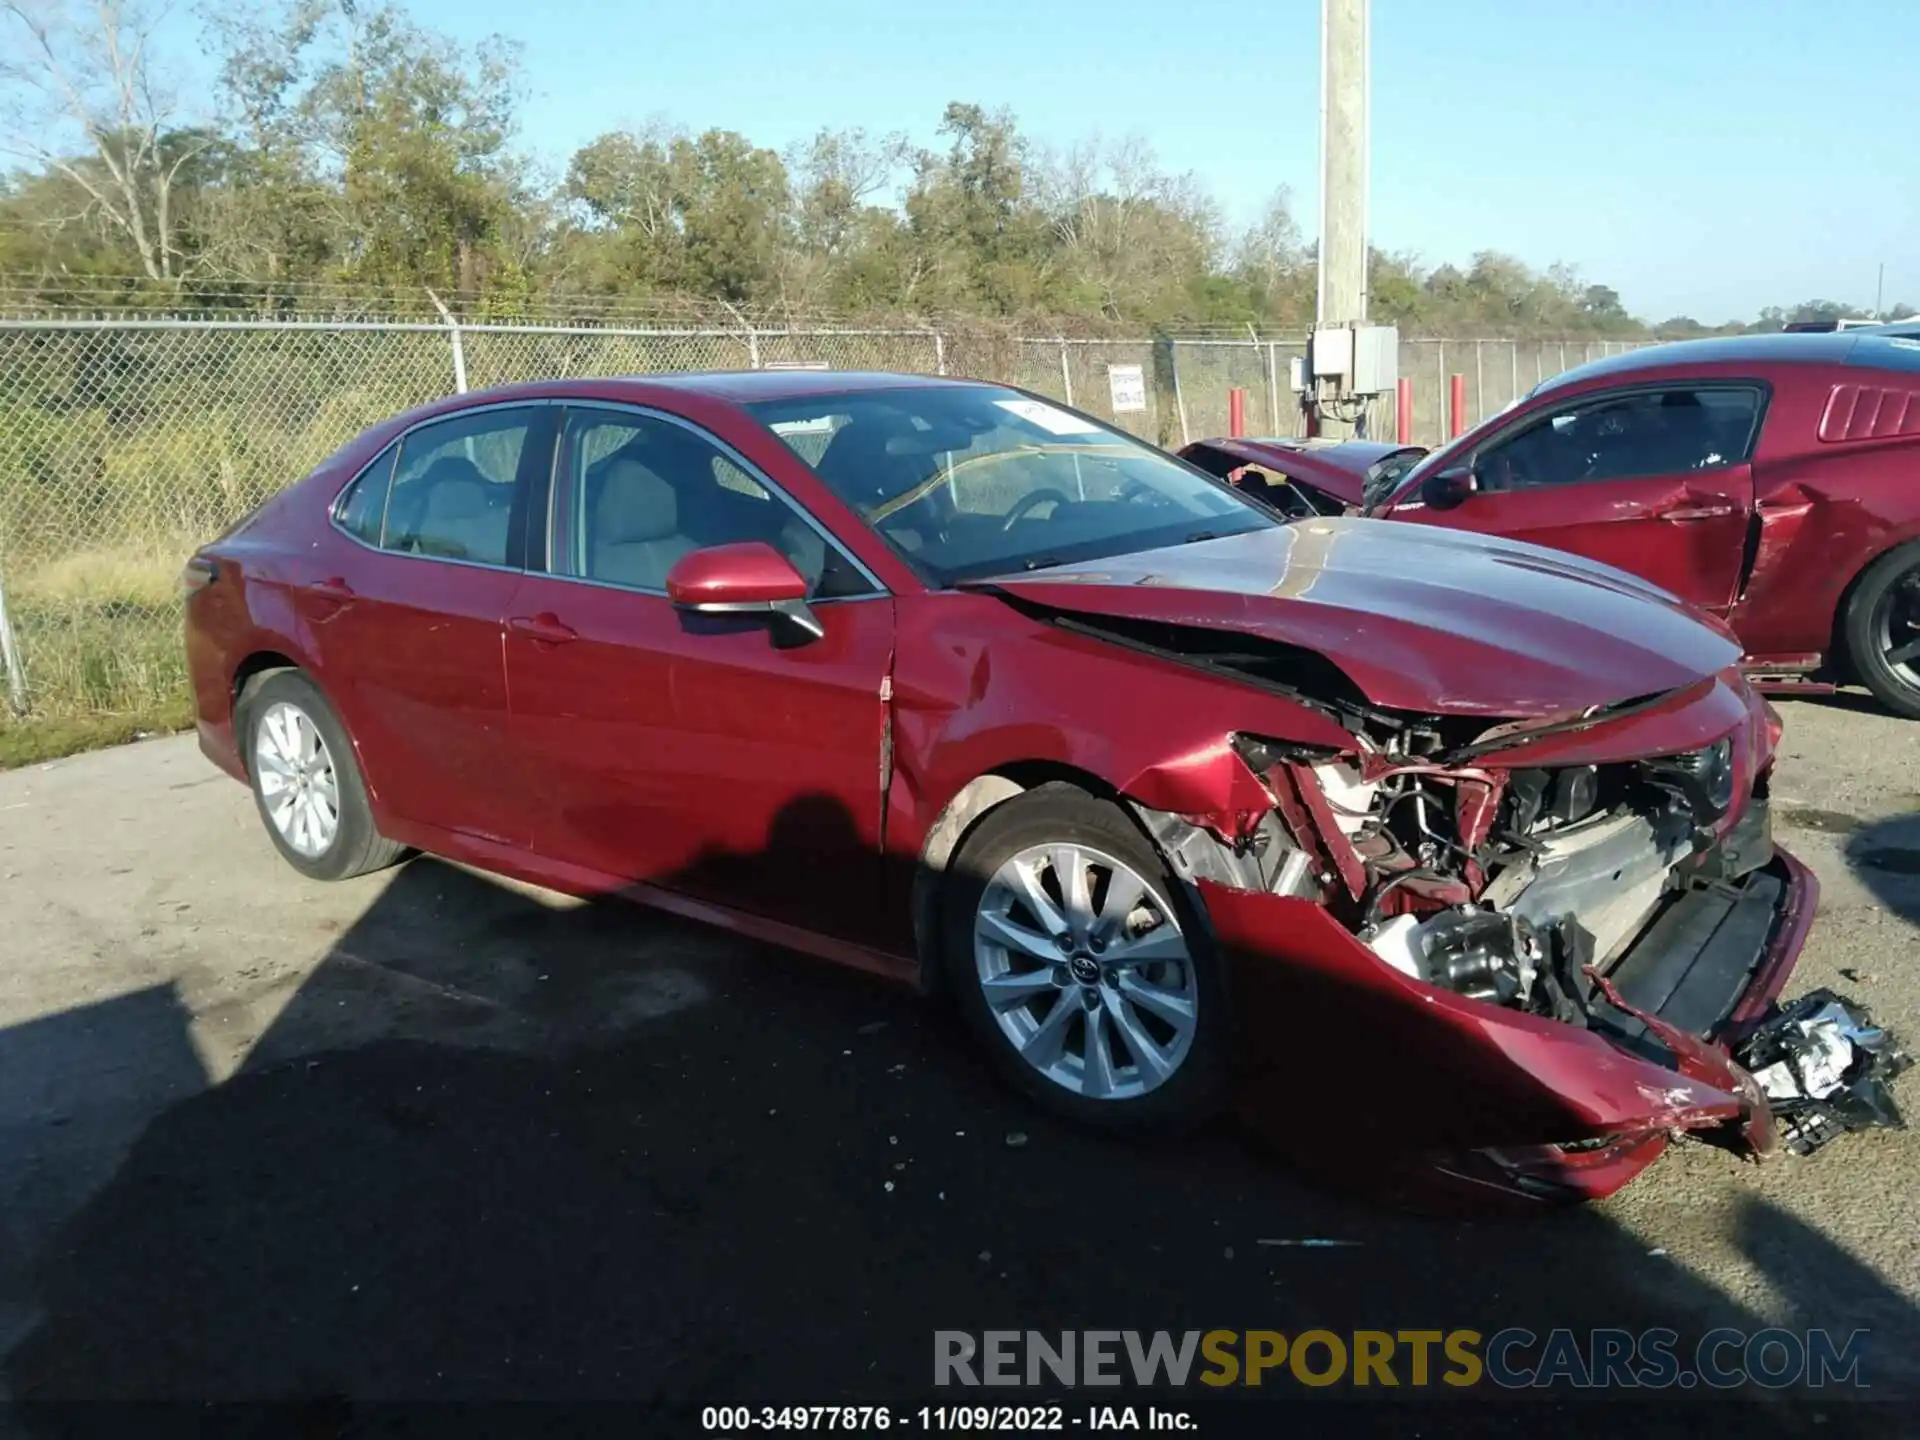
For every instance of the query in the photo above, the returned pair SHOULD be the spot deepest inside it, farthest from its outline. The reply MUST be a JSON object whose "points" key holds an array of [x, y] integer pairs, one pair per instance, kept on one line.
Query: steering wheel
{"points": [[1030, 501]]}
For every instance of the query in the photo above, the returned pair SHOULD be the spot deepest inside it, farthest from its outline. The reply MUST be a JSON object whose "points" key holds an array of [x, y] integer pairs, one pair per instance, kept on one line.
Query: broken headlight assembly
{"points": [[1825, 1069], [1703, 778]]}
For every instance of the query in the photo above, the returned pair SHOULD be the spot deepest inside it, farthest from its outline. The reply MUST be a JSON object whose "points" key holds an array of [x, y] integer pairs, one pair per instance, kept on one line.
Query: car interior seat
{"points": [[634, 536], [858, 466], [451, 510]]}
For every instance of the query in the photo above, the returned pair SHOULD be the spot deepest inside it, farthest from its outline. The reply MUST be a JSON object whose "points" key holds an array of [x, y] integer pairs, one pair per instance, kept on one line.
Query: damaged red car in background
{"points": [[1440, 850], [1772, 480]]}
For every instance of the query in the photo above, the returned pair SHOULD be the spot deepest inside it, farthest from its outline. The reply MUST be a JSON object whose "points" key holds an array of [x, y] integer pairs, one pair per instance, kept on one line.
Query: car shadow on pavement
{"points": [[498, 1148], [1885, 856]]}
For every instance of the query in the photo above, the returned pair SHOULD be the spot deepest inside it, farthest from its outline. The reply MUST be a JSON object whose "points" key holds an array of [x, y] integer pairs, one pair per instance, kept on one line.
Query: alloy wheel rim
{"points": [[298, 784], [1897, 628], [1085, 970]]}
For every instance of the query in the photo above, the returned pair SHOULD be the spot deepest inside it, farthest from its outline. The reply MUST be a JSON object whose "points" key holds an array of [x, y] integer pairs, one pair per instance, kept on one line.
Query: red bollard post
{"points": [[1236, 413], [1457, 405], [1403, 413]]}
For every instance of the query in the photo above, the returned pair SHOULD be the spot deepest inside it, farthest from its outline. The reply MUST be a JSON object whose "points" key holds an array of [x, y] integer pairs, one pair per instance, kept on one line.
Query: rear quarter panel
{"points": [[249, 612]]}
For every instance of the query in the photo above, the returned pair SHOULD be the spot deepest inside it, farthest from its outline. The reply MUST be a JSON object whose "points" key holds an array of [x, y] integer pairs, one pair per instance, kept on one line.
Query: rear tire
{"points": [[306, 781], [1109, 1011], [1882, 629]]}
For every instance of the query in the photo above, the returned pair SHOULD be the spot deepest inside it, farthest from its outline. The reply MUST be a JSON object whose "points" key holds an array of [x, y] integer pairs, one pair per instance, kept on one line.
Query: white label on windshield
{"points": [[822, 426], [1054, 422]]}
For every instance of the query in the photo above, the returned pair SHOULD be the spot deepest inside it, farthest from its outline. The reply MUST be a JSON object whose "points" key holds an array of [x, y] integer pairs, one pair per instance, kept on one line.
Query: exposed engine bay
{"points": [[1623, 898], [1506, 886]]}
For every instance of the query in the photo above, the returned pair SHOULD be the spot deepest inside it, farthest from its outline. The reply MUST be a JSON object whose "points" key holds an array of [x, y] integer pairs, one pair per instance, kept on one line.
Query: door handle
{"points": [[333, 589], [544, 629]]}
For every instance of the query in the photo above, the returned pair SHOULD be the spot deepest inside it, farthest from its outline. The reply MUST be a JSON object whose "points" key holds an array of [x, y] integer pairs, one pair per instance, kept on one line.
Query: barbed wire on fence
{"points": [[128, 440]]}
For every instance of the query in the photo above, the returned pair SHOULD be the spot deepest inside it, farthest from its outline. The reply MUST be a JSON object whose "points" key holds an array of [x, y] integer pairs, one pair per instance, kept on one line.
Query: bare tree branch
{"points": [[80, 101]]}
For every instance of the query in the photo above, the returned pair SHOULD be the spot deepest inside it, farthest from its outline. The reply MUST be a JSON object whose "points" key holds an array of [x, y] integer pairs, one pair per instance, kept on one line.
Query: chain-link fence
{"points": [[1495, 372], [125, 443]]}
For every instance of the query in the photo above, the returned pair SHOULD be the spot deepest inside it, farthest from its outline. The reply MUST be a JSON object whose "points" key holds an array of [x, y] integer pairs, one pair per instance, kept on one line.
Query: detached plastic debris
{"points": [[1825, 1068]]}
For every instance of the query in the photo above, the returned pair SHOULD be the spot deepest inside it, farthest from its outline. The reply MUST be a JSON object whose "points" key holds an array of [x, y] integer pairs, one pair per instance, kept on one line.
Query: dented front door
{"points": [[707, 755], [1656, 481]]}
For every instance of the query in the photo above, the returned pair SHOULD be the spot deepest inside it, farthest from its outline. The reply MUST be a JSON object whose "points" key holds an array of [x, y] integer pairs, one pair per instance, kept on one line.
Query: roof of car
{"points": [[747, 387], [1832, 347]]}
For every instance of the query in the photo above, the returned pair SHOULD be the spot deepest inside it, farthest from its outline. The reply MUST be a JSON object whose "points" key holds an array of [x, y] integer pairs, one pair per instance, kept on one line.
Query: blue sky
{"points": [[1705, 157]]}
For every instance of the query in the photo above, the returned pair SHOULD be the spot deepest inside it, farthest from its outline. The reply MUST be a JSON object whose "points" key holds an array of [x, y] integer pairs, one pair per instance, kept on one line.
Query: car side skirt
{"points": [[584, 883]]}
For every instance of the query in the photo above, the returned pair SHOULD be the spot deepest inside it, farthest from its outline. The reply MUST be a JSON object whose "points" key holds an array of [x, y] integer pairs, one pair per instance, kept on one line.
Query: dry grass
{"points": [[31, 741], [99, 633], [144, 573]]}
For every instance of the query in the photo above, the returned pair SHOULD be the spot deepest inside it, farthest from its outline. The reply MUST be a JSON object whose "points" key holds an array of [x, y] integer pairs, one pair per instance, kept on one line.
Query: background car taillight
{"points": [[198, 573]]}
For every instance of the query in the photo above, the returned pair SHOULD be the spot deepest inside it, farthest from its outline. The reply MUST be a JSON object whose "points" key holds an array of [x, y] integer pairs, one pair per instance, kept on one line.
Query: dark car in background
{"points": [[1772, 480], [1438, 849]]}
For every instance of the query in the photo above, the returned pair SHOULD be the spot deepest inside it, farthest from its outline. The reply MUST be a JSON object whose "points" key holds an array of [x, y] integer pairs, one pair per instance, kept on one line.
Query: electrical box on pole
{"points": [[1346, 367]]}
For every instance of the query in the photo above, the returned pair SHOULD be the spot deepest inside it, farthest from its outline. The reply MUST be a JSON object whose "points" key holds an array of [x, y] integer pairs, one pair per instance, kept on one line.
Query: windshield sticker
{"points": [[823, 426], [1054, 422]]}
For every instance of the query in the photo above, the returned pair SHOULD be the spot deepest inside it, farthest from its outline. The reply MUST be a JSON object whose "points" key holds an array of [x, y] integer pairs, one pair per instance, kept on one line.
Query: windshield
{"points": [[965, 481]]}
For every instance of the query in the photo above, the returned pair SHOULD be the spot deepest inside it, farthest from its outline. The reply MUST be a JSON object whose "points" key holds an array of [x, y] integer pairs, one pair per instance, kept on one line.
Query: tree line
{"points": [[345, 145]]}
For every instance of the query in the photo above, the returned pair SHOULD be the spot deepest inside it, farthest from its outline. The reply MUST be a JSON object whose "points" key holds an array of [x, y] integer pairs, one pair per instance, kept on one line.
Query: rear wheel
{"points": [[1882, 630], [1078, 962], [306, 782]]}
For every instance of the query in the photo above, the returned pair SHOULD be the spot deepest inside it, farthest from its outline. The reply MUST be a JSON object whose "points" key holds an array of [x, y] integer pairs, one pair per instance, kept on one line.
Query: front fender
{"points": [[986, 690]]}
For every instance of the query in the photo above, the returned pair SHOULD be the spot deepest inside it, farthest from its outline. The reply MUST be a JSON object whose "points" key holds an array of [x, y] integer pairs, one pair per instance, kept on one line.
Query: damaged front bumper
{"points": [[1484, 1097]]}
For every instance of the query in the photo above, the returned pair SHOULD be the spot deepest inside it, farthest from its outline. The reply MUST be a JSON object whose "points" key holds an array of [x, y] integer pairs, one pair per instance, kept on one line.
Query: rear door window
{"points": [[454, 483]]}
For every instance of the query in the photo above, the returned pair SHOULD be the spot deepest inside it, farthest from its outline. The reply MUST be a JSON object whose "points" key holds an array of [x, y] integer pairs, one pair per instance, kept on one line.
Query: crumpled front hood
{"points": [[1419, 617]]}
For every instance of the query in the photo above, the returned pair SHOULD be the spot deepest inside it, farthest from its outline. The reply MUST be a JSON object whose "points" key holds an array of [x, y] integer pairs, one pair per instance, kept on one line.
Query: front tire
{"points": [[1077, 960], [1882, 630], [306, 782]]}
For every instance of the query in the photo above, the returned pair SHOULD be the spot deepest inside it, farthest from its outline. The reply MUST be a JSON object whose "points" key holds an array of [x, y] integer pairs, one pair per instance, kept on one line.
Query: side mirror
{"points": [[1448, 488], [747, 578]]}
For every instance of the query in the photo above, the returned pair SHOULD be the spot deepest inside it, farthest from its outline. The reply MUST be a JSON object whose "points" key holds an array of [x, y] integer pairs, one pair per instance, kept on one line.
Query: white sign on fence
{"points": [[1128, 384]]}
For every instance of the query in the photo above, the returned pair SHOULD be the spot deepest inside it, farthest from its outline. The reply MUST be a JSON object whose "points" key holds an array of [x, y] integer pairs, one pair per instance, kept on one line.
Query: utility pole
{"points": [[1344, 146], [1880, 293]]}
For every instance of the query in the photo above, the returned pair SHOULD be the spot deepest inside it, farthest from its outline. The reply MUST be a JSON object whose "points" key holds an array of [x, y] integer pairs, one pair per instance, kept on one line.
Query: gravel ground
{"points": [[429, 1135]]}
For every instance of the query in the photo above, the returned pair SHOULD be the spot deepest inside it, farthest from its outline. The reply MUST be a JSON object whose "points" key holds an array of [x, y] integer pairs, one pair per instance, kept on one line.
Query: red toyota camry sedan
{"points": [[1449, 845], [1773, 480]]}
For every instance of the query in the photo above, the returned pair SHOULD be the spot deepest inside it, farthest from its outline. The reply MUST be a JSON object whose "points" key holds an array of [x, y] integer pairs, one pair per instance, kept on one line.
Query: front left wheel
{"points": [[1077, 960], [306, 783]]}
